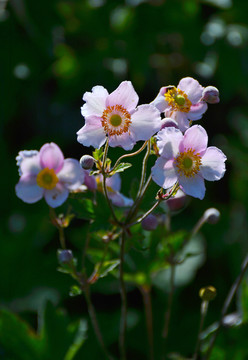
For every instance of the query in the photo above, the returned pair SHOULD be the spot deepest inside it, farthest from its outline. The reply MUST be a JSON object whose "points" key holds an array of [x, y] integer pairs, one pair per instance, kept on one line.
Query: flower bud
{"points": [[65, 256], [210, 94], [150, 222], [211, 216], [87, 162], [207, 293]]}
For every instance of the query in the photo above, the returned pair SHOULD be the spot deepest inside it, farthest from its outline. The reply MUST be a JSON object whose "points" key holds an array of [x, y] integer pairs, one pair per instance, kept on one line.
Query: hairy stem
{"points": [[123, 321], [128, 155], [226, 305]]}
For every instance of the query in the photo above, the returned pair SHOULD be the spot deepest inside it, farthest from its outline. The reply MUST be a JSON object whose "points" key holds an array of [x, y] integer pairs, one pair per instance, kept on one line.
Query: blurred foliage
{"points": [[51, 53]]}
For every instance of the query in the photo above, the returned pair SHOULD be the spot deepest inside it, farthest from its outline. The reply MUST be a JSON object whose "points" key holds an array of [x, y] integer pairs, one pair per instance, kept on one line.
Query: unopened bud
{"points": [[211, 216], [150, 223], [65, 256], [87, 162], [207, 293], [210, 94]]}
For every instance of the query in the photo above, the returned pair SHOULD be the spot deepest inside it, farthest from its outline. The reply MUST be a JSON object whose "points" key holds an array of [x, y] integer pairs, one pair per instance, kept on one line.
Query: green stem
{"points": [[94, 322], [169, 308], [123, 321], [227, 303], [204, 309], [128, 155], [104, 182], [144, 166], [146, 293], [146, 214]]}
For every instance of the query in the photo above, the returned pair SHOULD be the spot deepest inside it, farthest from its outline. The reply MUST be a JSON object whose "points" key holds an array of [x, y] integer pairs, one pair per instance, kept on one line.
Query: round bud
{"points": [[87, 162], [177, 202], [207, 293], [211, 216], [65, 256], [210, 94], [150, 223]]}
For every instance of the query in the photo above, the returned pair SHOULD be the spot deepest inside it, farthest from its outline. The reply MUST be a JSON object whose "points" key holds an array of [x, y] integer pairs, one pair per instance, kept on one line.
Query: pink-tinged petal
{"points": [[163, 173], [192, 88], [28, 190], [124, 95], [146, 121], [195, 138], [29, 165], [90, 181], [120, 200], [95, 101], [168, 140], [51, 157], [159, 101], [213, 164], [71, 175], [193, 186], [57, 196], [92, 133], [114, 182], [168, 122], [125, 140], [197, 110], [182, 120]]}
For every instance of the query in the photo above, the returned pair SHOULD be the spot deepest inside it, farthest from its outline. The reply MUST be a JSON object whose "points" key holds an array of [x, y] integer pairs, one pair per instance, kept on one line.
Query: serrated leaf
{"points": [[98, 154], [83, 208], [122, 167], [102, 269]]}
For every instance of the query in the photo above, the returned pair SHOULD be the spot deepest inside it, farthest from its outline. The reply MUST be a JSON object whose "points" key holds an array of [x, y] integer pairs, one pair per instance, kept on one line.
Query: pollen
{"points": [[177, 100], [116, 120], [188, 163], [47, 179]]}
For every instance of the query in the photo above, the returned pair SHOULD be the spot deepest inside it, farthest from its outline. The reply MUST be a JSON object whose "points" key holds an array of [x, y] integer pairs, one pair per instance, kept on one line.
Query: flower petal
{"points": [[114, 182], [95, 101], [182, 120], [124, 95], [28, 190], [71, 175], [125, 140], [163, 173], [57, 196], [51, 157], [90, 181], [120, 200], [192, 88], [92, 133], [213, 164], [195, 138], [197, 110], [193, 186], [146, 121], [168, 140], [159, 101], [29, 164]]}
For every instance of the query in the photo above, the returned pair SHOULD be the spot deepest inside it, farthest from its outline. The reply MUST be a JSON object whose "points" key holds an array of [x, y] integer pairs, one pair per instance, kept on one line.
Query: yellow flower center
{"points": [[47, 179], [116, 120], [177, 100], [188, 163]]}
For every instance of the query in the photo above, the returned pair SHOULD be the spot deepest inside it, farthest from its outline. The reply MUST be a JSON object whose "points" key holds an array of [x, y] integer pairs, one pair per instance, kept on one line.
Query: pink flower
{"points": [[182, 103], [113, 184], [116, 116], [187, 159], [46, 173]]}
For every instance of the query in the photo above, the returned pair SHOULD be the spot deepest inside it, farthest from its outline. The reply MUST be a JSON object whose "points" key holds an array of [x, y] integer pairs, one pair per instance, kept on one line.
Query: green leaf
{"points": [[18, 339], [122, 167], [98, 154], [79, 339], [83, 208], [102, 269], [75, 290]]}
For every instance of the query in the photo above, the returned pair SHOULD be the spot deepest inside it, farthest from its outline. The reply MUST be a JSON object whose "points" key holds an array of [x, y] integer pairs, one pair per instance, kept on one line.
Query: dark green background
{"points": [[51, 52]]}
